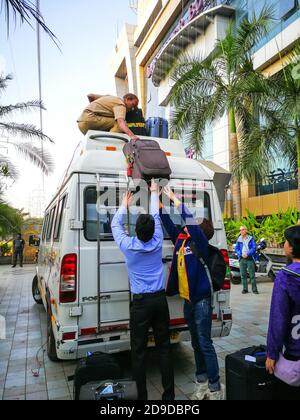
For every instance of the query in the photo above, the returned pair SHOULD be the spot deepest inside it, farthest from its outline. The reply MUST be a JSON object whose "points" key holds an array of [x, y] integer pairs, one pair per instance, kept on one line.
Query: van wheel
{"points": [[51, 345], [236, 280], [36, 294]]}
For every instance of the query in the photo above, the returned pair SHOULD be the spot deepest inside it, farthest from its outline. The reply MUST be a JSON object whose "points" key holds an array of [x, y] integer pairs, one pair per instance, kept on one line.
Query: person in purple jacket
{"points": [[284, 329]]}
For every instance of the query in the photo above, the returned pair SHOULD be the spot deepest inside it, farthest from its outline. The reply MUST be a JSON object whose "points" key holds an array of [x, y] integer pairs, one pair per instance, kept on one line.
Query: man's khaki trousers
{"points": [[91, 122]]}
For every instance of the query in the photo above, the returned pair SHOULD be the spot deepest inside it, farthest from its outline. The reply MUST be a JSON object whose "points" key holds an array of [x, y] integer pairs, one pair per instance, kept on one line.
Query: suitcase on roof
{"points": [[157, 127], [136, 122]]}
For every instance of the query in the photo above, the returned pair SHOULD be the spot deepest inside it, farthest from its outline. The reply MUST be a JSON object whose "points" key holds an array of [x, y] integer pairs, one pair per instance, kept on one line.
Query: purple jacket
{"points": [[284, 328]]}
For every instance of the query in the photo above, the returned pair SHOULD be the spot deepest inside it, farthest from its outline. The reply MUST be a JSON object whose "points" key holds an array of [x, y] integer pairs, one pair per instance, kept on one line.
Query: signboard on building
{"points": [[195, 9]]}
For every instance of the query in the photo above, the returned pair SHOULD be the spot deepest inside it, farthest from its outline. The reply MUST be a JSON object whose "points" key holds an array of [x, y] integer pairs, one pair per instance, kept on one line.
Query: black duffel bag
{"points": [[136, 122], [96, 367]]}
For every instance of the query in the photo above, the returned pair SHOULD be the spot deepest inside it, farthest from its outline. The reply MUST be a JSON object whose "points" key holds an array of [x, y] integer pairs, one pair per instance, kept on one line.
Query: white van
{"points": [[81, 276]]}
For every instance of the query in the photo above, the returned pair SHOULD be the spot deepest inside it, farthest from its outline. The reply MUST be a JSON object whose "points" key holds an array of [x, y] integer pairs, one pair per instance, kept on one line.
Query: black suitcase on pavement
{"points": [[95, 367], [109, 390], [247, 380]]}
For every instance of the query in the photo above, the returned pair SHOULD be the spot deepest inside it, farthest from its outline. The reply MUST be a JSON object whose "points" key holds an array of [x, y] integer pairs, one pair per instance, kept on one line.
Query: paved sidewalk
{"points": [[26, 333]]}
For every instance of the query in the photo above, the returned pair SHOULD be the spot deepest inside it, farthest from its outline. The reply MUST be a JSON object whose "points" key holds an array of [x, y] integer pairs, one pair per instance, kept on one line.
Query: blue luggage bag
{"points": [[157, 127]]}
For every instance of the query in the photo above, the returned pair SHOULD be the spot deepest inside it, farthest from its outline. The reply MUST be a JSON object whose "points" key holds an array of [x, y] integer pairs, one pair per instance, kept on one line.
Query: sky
{"points": [[87, 31]]}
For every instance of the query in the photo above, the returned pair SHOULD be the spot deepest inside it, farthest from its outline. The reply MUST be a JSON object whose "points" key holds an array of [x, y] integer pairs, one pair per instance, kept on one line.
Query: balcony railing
{"points": [[192, 24], [278, 181]]}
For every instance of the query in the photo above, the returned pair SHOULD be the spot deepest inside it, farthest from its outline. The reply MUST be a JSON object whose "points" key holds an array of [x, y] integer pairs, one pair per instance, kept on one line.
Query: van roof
{"points": [[92, 156]]}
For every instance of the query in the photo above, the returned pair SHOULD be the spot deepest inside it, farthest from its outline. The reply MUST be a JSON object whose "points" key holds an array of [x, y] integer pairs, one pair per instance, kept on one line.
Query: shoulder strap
{"points": [[198, 255], [291, 272]]}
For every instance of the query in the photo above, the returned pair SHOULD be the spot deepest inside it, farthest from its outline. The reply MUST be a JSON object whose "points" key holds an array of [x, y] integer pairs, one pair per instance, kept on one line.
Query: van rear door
{"points": [[108, 311]]}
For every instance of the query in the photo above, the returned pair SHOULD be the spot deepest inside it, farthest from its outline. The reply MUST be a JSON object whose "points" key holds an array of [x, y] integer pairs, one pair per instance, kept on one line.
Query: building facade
{"points": [[165, 29]]}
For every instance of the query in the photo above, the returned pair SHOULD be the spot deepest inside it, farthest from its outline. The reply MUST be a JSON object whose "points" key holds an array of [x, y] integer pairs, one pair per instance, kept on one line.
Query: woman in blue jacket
{"points": [[189, 279]]}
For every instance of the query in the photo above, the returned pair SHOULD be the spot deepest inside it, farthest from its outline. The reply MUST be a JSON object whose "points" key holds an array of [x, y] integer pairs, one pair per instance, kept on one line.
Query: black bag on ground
{"points": [[249, 381], [146, 160], [95, 367], [216, 265], [136, 122], [109, 390]]}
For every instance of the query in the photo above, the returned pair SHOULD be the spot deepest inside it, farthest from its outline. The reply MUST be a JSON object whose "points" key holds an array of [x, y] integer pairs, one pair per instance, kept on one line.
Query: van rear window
{"points": [[199, 206]]}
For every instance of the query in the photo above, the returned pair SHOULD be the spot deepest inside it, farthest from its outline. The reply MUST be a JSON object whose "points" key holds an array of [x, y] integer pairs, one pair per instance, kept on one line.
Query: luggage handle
{"points": [[108, 136]]}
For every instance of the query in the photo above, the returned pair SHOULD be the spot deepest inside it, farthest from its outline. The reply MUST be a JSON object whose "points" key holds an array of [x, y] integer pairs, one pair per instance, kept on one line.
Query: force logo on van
{"points": [[95, 298]]}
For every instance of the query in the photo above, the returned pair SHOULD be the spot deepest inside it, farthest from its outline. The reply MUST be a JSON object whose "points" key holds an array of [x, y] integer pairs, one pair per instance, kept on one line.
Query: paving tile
{"points": [[59, 393], [14, 391], [52, 385]]}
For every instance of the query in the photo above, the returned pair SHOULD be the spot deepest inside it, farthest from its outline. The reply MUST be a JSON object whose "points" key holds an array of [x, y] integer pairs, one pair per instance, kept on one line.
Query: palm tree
{"points": [[225, 82], [287, 92], [10, 134], [11, 220], [282, 133], [25, 10]]}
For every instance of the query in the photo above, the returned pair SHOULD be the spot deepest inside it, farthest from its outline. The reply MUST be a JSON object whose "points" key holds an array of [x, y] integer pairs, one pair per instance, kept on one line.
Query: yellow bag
{"points": [[182, 275]]}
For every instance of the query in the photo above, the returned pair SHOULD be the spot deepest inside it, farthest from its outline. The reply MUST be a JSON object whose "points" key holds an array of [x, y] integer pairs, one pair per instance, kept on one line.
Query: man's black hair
{"points": [[145, 227], [292, 235]]}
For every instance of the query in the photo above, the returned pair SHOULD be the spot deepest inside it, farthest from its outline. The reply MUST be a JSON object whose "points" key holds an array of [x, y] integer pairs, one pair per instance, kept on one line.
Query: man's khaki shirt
{"points": [[108, 106]]}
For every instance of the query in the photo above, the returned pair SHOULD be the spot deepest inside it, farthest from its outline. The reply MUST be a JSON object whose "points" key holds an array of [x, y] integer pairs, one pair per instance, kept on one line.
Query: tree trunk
{"points": [[234, 153]]}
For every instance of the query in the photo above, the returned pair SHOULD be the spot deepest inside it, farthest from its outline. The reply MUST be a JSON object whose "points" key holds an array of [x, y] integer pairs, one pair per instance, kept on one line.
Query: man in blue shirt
{"points": [[149, 308]]}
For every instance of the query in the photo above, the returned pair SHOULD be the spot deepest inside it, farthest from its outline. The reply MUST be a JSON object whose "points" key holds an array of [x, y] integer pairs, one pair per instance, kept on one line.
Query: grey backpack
{"points": [[146, 160]]}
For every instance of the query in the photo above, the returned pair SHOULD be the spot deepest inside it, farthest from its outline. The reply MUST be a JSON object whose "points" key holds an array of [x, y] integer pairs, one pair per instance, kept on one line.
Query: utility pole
{"points": [[39, 61]]}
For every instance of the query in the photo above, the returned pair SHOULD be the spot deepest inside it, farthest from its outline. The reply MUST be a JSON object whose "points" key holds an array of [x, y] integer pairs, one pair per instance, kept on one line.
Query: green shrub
{"points": [[271, 228]]}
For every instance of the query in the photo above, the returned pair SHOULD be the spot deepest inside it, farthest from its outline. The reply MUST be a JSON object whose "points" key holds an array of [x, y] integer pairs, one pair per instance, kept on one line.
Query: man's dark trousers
{"points": [[18, 253], [151, 310]]}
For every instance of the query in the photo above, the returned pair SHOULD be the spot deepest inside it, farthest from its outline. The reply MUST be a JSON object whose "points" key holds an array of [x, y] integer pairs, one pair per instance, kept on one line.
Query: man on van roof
{"points": [[108, 113], [149, 308]]}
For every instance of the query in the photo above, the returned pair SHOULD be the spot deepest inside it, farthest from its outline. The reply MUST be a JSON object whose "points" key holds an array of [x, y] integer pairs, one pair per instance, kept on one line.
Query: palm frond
{"points": [[22, 107], [25, 10], [40, 157], [4, 81], [25, 131], [7, 168], [251, 32]]}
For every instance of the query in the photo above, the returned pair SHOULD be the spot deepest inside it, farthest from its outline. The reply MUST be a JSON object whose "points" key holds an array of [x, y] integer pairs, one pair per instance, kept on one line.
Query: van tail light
{"points": [[68, 279], [69, 336], [227, 281], [226, 284], [225, 254]]}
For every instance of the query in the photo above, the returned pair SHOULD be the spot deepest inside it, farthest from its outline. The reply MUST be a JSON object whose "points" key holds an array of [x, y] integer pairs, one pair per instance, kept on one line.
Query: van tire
{"points": [[51, 344], [236, 280], [35, 291]]}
